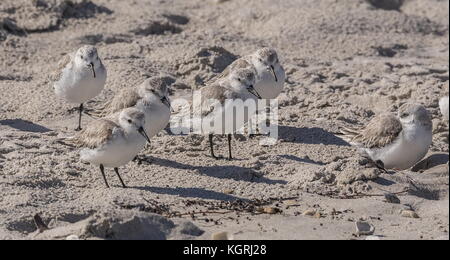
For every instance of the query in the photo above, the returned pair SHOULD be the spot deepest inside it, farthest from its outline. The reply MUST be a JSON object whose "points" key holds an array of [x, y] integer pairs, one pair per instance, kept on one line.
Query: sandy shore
{"points": [[346, 61]]}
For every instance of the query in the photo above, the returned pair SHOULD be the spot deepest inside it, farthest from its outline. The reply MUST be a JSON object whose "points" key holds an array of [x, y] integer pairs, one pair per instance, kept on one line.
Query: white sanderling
{"points": [[151, 97], [112, 143], [80, 77], [395, 142], [270, 75], [443, 105], [219, 102]]}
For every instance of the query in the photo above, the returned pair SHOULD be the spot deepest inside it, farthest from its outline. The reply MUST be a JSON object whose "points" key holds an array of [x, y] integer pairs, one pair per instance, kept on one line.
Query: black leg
{"points": [[79, 119], [230, 156], [102, 169], [120, 178], [211, 144], [380, 165]]}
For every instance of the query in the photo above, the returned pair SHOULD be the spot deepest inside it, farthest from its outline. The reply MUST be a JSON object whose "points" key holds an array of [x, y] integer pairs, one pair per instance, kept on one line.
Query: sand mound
{"points": [[387, 4], [342, 177], [203, 65], [121, 225], [48, 15]]}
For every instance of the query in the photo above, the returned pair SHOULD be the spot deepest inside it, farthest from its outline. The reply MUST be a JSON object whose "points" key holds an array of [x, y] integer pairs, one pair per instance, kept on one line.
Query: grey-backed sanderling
{"points": [[270, 75], [219, 100], [151, 97], [395, 142], [112, 142], [80, 77]]}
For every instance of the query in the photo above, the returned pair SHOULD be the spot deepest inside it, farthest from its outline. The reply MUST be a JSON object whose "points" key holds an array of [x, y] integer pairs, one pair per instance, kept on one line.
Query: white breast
{"points": [[411, 146], [79, 86], [157, 117], [266, 85], [118, 152]]}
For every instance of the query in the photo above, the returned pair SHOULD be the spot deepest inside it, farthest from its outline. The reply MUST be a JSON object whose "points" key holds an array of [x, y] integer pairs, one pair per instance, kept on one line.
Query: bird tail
{"points": [[68, 141], [100, 111], [347, 134]]}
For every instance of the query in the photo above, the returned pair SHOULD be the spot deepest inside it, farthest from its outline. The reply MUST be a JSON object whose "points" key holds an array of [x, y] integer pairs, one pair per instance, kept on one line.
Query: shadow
{"points": [[383, 181], [431, 161], [236, 173], [301, 160], [190, 193], [84, 10], [309, 136], [25, 126]]}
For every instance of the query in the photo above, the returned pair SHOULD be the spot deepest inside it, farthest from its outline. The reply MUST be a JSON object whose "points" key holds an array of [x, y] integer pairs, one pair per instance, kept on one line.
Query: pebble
{"points": [[221, 236], [72, 237], [373, 238], [364, 228], [391, 198], [310, 212], [409, 214]]}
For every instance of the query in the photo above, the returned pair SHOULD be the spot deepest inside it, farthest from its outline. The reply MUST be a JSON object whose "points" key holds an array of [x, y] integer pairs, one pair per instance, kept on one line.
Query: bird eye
{"points": [[405, 115], [81, 56], [239, 79], [129, 121]]}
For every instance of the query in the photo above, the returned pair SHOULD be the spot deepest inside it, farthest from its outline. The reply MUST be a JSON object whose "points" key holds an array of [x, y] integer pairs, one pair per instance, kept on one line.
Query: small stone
{"points": [[221, 236], [373, 238], [72, 237], [364, 228], [291, 203], [391, 198], [409, 214], [310, 212], [228, 191]]}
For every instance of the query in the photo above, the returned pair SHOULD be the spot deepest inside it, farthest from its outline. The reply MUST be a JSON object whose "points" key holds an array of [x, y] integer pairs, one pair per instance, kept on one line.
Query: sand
{"points": [[346, 61]]}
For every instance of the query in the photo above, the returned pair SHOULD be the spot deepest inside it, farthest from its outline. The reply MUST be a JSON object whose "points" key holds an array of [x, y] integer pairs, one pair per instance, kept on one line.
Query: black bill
{"points": [[91, 65], [166, 102], [253, 91], [144, 134], [274, 74]]}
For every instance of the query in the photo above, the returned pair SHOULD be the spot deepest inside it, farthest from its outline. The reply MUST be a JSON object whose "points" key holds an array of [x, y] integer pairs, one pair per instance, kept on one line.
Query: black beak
{"points": [[91, 65], [274, 74], [253, 91], [166, 102], [144, 134]]}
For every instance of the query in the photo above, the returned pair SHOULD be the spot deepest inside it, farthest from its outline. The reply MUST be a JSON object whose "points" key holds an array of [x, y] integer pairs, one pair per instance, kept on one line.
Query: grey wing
{"points": [[241, 63], [126, 98], [212, 96], [95, 134], [381, 131], [65, 61]]}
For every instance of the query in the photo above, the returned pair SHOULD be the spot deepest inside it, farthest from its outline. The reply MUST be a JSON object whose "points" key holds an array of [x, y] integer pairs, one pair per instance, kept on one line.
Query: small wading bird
{"points": [[217, 101], [151, 97], [112, 142], [270, 75], [394, 142], [80, 77]]}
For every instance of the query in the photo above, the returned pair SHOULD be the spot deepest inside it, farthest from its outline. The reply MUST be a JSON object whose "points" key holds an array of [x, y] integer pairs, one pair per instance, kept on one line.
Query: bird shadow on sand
{"points": [[309, 136], [236, 173], [301, 160], [190, 193], [25, 126]]}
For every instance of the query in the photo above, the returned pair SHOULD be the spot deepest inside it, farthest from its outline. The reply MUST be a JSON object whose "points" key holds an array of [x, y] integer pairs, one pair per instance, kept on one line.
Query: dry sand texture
{"points": [[345, 60]]}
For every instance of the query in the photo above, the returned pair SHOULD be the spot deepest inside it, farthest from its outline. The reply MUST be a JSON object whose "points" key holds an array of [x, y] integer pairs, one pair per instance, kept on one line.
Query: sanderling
{"points": [[80, 77], [270, 75], [443, 105], [112, 143], [217, 101], [151, 97], [395, 142]]}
